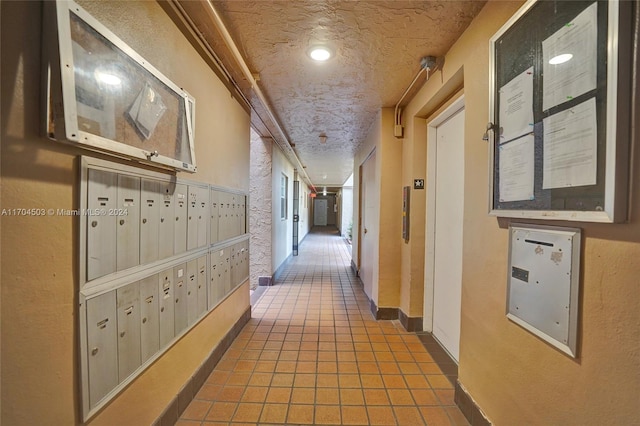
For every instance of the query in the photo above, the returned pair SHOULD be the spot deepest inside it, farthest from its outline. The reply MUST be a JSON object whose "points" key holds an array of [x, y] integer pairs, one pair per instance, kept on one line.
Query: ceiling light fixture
{"points": [[323, 138], [319, 53]]}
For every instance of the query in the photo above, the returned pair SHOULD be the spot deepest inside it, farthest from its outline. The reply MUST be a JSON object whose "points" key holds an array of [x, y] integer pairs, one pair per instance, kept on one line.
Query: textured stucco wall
{"points": [[260, 218], [40, 356]]}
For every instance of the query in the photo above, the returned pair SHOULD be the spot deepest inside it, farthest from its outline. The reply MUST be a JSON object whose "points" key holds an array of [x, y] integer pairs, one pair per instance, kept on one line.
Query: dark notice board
{"points": [[520, 47]]}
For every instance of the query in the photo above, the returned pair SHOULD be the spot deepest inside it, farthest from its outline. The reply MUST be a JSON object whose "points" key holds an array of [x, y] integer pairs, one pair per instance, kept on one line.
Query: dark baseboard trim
{"points": [[256, 295], [303, 238], [179, 403], [412, 324], [265, 281], [354, 268], [280, 269], [469, 407], [383, 313]]}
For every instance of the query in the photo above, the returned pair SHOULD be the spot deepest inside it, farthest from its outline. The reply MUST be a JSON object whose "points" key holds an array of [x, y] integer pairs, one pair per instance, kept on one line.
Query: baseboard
{"points": [[468, 407], [412, 324], [281, 268], [354, 268], [180, 402], [383, 313], [265, 281]]}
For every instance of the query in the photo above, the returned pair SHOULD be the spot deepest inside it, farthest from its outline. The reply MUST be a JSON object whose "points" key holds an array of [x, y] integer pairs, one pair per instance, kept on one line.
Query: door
{"points": [[320, 212], [446, 232], [368, 229]]}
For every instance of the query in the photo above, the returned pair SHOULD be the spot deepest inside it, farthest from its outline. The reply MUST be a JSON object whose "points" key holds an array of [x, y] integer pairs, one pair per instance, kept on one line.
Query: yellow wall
{"points": [[515, 377], [40, 358], [390, 160], [385, 291]]}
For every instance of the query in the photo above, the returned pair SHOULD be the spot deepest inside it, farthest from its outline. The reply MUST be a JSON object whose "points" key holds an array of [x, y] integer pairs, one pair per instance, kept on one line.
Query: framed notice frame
{"points": [[559, 111], [101, 95]]}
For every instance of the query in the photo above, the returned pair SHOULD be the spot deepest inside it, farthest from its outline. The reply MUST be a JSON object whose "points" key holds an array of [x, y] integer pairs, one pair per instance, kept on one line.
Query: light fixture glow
{"points": [[319, 53], [560, 59], [108, 78]]}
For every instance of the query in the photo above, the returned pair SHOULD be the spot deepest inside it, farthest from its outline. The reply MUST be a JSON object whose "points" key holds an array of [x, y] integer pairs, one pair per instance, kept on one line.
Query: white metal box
{"points": [[543, 278]]}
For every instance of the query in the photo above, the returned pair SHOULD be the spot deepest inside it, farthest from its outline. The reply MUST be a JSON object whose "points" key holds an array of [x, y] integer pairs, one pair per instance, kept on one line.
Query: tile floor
{"points": [[314, 354]]}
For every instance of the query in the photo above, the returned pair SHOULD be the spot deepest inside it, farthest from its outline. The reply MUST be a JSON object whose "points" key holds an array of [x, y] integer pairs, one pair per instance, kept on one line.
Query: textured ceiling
{"points": [[377, 44]]}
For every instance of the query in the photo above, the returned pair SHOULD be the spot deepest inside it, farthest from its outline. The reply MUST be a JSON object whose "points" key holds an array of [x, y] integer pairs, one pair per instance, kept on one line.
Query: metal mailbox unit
{"points": [[148, 269]]}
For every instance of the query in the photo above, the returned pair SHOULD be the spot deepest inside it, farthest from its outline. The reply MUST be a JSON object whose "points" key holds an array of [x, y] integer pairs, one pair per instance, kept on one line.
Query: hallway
{"points": [[313, 354]]}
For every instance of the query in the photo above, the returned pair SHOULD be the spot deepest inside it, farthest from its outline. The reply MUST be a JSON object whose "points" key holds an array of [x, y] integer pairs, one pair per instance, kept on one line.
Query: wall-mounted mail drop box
{"points": [[543, 279]]}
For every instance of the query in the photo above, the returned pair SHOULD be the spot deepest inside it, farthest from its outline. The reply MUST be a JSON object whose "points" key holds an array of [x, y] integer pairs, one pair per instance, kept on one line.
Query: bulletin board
{"points": [[104, 96], [560, 79]]}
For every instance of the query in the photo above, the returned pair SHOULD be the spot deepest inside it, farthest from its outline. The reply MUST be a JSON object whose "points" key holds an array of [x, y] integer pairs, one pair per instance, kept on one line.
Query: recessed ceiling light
{"points": [[560, 59], [319, 53]]}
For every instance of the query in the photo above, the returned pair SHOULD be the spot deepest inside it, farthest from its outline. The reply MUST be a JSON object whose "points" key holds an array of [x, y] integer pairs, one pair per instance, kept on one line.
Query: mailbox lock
{"points": [[122, 334], [94, 351], [177, 217], [162, 309], [121, 221], [144, 320], [144, 220], [162, 220], [94, 223]]}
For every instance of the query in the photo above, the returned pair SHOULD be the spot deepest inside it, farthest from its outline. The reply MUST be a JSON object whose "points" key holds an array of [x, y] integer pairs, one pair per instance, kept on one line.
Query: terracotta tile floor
{"points": [[313, 354]]}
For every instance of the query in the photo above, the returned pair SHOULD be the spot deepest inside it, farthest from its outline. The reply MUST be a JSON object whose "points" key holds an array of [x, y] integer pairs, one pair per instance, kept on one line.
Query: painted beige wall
{"points": [[390, 181], [40, 357], [515, 377], [385, 290]]}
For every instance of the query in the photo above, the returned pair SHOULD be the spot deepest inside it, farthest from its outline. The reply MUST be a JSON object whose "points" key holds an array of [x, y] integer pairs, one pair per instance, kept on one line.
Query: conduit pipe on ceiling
{"points": [[219, 24], [428, 63]]}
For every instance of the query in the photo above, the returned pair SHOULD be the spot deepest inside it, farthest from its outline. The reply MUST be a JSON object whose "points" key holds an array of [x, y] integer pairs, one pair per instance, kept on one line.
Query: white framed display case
{"points": [[559, 112], [103, 96]]}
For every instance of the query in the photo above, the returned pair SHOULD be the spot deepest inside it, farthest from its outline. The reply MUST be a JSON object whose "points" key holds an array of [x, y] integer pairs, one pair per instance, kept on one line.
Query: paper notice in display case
{"points": [[569, 59], [516, 107], [570, 147], [517, 169]]}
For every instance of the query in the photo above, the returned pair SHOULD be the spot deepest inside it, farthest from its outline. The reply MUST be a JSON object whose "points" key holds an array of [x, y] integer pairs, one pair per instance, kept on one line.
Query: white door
{"points": [[320, 212], [446, 232], [368, 229]]}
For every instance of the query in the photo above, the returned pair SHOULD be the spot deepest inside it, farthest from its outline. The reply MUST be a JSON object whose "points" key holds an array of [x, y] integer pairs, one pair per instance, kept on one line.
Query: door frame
{"points": [[315, 210], [361, 207], [430, 228]]}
